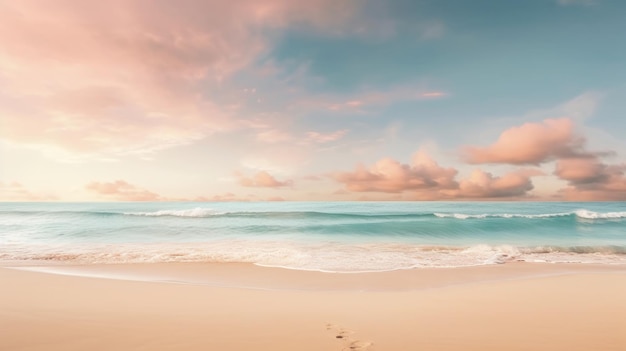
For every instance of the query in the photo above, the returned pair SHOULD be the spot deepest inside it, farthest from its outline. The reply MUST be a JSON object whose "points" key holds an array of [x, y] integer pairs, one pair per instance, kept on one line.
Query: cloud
{"points": [[227, 197], [312, 178], [591, 180], [367, 99], [579, 108], [262, 179], [530, 143], [425, 179], [432, 94], [224, 197], [484, 185], [582, 170], [276, 136], [598, 194], [321, 138], [360, 101], [15, 191], [121, 190], [135, 76], [391, 176]]}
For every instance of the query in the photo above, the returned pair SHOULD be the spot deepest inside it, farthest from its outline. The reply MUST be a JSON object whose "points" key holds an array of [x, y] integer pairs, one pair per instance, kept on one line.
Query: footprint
{"points": [[357, 345], [341, 333], [344, 335]]}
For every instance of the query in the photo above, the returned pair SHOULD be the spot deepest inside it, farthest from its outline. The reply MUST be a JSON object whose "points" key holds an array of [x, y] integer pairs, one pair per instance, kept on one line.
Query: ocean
{"points": [[321, 236]]}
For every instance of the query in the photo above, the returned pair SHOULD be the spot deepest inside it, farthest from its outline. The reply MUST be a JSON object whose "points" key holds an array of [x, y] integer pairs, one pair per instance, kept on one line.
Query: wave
{"points": [[599, 215], [500, 215], [583, 214], [193, 212], [208, 212], [204, 212], [603, 250], [327, 257]]}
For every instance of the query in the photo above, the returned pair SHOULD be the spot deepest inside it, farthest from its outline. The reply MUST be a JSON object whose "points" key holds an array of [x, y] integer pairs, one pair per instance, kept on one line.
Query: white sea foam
{"points": [[327, 257], [500, 215], [599, 215], [193, 212], [460, 215], [585, 214], [314, 236]]}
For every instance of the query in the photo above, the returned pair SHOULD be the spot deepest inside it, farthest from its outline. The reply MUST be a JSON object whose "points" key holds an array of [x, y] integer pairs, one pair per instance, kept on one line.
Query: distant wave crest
{"points": [[193, 212], [205, 212], [584, 214], [200, 212], [598, 215]]}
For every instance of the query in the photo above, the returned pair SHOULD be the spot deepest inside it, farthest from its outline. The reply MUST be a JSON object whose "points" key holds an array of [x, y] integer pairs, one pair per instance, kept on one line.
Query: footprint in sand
{"points": [[349, 343]]}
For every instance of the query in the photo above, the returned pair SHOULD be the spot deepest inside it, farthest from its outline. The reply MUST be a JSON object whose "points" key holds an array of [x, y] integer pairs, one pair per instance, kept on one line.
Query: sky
{"points": [[318, 100]]}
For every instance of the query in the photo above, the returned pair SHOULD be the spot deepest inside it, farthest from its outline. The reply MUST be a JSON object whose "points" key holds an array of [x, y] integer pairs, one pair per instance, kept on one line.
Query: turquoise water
{"points": [[335, 236]]}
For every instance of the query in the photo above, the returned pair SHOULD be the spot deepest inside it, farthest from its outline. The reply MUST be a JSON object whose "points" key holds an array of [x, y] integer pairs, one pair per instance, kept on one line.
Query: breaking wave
{"points": [[583, 214], [204, 212], [342, 237], [327, 257], [193, 212]]}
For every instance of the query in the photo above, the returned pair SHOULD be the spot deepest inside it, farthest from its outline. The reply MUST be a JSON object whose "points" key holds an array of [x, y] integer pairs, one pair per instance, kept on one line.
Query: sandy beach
{"points": [[516, 306], [274, 175]]}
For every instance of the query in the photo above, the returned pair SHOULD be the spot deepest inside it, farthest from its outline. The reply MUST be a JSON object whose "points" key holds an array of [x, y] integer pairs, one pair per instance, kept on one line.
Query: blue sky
{"points": [[271, 99]]}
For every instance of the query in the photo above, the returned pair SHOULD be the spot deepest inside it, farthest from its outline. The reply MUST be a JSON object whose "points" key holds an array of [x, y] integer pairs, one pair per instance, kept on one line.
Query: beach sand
{"points": [[515, 306]]}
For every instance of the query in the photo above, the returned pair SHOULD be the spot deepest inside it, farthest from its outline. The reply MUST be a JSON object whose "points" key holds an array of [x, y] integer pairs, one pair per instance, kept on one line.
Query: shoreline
{"points": [[325, 256], [241, 275], [229, 306]]}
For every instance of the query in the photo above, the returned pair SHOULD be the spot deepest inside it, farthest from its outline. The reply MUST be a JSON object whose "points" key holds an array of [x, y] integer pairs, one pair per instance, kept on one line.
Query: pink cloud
{"points": [[484, 185], [15, 191], [588, 178], [229, 197], [132, 76], [391, 176], [591, 180], [262, 179], [530, 143], [121, 190], [591, 194], [582, 170], [321, 138], [224, 197], [363, 100], [313, 178], [275, 136], [433, 94], [425, 179]]}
